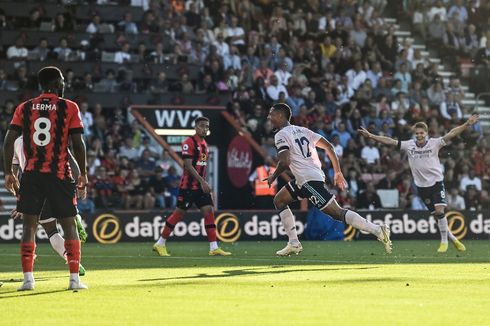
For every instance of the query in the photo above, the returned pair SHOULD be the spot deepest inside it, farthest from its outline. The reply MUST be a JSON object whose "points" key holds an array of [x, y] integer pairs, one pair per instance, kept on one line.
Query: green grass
{"points": [[330, 283]]}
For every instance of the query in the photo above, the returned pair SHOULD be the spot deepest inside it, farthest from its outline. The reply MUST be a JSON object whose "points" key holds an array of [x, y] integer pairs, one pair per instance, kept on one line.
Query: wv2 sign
{"points": [[176, 118]]}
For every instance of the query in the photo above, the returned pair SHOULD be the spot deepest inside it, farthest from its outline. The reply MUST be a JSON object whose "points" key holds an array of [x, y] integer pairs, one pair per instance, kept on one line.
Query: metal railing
{"points": [[480, 95]]}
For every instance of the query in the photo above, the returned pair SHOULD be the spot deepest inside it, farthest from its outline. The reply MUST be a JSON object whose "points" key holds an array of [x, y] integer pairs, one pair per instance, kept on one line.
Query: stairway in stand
{"points": [[471, 105]]}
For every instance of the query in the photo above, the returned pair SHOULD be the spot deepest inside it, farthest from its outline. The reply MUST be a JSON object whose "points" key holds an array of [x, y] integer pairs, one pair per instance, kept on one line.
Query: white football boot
{"points": [[75, 284], [385, 238], [27, 286], [290, 249]]}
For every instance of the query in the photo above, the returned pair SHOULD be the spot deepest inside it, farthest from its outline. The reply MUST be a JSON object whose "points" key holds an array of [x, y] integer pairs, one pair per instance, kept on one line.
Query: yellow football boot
{"points": [[160, 250], [219, 252], [442, 247], [459, 245]]}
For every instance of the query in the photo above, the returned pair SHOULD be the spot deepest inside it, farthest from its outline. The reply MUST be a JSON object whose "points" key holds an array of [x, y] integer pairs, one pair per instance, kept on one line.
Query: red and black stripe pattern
{"points": [[196, 149], [46, 123]]}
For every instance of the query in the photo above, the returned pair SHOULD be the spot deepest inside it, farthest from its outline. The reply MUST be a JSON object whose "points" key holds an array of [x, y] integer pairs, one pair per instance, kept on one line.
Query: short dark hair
{"points": [[284, 108], [200, 119], [47, 76]]}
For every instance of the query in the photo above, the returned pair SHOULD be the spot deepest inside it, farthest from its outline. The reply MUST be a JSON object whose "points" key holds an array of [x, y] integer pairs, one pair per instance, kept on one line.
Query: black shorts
{"points": [[47, 214], [187, 197], [435, 195], [38, 189], [316, 192]]}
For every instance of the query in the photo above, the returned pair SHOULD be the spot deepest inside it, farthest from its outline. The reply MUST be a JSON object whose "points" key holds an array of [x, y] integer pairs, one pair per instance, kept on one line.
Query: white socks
{"points": [[161, 241], [449, 234], [58, 244], [74, 277], [287, 219], [28, 277], [360, 223], [444, 229]]}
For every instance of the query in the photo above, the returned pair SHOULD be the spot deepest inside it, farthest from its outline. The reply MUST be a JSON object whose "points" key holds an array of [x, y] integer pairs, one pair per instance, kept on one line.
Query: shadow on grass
{"points": [[38, 279], [26, 293], [128, 256], [248, 271]]}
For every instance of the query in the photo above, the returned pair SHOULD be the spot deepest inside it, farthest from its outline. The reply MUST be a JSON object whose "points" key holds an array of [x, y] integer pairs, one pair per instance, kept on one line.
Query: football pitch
{"points": [[330, 283]]}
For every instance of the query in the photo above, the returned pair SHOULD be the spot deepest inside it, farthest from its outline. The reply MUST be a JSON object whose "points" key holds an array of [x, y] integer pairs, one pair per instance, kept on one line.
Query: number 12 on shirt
{"points": [[301, 142]]}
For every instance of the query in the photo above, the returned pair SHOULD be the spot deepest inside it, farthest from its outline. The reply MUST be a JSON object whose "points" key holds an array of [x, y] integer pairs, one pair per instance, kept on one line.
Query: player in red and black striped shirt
{"points": [[47, 123], [194, 189]]}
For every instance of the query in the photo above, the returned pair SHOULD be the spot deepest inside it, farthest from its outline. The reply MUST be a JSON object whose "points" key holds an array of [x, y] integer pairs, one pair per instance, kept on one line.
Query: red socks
{"points": [[27, 256], [210, 226], [73, 254], [170, 224]]}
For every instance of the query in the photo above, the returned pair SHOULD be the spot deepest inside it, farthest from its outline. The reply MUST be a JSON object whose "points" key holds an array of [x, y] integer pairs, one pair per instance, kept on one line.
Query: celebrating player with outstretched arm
{"points": [[47, 123], [423, 158], [296, 147], [194, 189]]}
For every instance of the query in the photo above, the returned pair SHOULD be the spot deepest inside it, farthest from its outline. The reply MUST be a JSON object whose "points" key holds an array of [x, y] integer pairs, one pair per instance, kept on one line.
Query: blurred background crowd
{"points": [[340, 65]]}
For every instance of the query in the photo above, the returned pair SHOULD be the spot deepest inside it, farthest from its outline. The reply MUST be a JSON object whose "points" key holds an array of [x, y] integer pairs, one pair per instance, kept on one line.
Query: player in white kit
{"points": [[423, 158], [296, 147], [46, 218]]}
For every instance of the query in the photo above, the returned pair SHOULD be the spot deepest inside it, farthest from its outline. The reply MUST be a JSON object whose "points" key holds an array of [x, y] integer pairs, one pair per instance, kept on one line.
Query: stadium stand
{"points": [[339, 65]]}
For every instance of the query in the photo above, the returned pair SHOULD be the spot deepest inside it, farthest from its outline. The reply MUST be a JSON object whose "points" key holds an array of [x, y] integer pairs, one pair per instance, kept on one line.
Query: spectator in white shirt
{"points": [[123, 55], [87, 118], [127, 150], [345, 92], [450, 108], [470, 180], [358, 34], [94, 26], [145, 4], [326, 22], [222, 48], [455, 200], [199, 3], [18, 50], [374, 74], [339, 150], [147, 146], [404, 76], [62, 50], [236, 33], [233, 60], [459, 8], [438, 9], [369, 153], [127, 24], [275, 88], [356, 76], [282, 74]]}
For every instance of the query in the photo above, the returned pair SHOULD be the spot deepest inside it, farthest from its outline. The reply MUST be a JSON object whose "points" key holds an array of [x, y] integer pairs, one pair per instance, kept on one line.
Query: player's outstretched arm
{"points": [[379, 139], [459, 129], [11, 181], [339, 179]]}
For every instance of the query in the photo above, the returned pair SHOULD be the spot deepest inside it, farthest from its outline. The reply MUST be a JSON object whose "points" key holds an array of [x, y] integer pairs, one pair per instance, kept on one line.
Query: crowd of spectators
{"points": [[338, 65]]}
